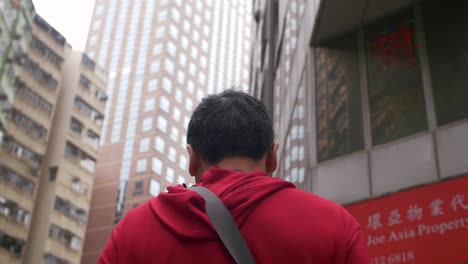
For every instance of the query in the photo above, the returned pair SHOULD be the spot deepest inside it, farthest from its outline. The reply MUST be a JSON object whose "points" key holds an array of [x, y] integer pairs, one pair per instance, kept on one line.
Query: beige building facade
{"points": [[52, 117]]}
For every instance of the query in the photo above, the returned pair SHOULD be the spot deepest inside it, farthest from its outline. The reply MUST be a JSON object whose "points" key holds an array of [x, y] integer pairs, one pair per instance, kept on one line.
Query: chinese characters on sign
{"points": [[415, 212], [428, 224]]}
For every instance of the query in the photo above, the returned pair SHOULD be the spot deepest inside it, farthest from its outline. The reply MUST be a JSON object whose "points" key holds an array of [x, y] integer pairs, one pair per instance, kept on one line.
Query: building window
{"points": [[339, 122], [447, 65], [155, 66], [150, 104], [205, 45], [186, 121], [172, 154], [174, 32], [19, 151], [14, 212], [43, 77], [183, 162], [160, 32], [180, 180], [182, 59], [188, 10], [186, 26], [199, 6], [79, 186], [157, 49], [144, 144], [185, 42], [188, 104], [16, 181], [191, 86], [155, 187], [180, 77], [170, 175], [147, 124], [12, 244], [201, 78], [65, 237], [197, 20], [152, 85], [28, 125], [167, 84], [51, 259], [199, 95], [159, 144], [194, 53], [162, 123], [85, 109], [70, 210], [196, 36], [174, 133], [157, 166], [176, 114], [206, 30], [175, 14], [192, 69], [179, 95], [203, 62], [139, 187], [34, 99], [164, 103], [162, 16], [169, 66], [92, 139], [171, 48], [141, 165], [80, 158], [396, 99]]}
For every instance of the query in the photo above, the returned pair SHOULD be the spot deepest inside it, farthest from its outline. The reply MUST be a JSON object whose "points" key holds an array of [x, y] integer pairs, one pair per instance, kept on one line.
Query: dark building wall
{"points": [[376, 118]]}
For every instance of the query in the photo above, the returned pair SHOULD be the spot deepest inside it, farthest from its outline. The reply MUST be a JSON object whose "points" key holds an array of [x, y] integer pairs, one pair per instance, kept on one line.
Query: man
{"points": [[231, 149]]}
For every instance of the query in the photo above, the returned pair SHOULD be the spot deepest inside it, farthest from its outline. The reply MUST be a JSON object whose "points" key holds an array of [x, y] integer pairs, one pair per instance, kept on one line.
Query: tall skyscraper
{"points": [[163, 57], [52, 102]]}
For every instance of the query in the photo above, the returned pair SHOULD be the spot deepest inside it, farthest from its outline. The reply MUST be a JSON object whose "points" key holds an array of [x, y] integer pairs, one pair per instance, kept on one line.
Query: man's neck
{"points": [[241, 164]]}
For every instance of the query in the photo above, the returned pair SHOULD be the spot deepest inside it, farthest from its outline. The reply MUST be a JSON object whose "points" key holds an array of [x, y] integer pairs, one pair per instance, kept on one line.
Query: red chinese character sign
{"points": [[426, 225]]}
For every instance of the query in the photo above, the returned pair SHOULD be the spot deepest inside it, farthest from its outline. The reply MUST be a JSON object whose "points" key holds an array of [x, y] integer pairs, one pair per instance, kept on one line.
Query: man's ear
{"points": [[271, 161], [194, 163]]}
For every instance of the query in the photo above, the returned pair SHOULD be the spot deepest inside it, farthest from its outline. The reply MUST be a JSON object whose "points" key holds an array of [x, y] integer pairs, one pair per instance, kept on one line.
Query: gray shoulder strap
{"points": [[225, 226]]}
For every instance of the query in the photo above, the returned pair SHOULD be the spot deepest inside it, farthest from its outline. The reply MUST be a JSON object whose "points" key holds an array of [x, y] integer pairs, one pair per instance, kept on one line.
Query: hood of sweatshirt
{"points": [[182, 211]]}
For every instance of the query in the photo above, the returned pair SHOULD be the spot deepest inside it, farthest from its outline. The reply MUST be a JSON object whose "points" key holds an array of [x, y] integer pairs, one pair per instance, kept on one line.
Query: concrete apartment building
{"points": [[162, 57], [368, 98], [52, 104]]}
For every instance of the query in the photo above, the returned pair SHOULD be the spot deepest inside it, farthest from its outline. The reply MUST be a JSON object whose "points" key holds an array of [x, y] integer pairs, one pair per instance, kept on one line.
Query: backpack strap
{"points": [[225, 226]]}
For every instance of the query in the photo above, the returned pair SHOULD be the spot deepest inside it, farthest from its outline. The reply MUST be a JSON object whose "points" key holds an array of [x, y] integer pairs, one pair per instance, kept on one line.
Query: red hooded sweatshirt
{"points": [[279, 223]]}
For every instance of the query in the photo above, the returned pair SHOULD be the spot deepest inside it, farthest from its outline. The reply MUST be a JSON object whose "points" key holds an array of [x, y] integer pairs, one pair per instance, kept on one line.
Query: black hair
{"points": [[229, 124]]}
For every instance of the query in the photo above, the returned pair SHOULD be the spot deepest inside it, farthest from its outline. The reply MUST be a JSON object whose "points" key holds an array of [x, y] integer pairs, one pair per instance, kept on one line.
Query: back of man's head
{"points": [[230, 124]]}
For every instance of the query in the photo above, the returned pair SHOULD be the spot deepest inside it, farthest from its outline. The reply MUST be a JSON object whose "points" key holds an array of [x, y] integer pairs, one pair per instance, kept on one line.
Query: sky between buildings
{"points": [[70, 17]]}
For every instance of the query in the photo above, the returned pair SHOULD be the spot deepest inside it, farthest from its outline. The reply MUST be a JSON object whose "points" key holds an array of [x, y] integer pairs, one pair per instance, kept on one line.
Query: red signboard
{"points": [[425, 225]]}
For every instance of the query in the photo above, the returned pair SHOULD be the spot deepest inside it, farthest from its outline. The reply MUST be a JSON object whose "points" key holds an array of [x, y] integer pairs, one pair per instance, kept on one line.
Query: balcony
{"points": [[48, 35], [93, 95], [13, 212], [34, 74], [16, 179], [70, 210], [88, 114], [12, 244], [33, 112], [43, 53], [28, 132], [90, 67], [19, 152], [80, 158]]}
